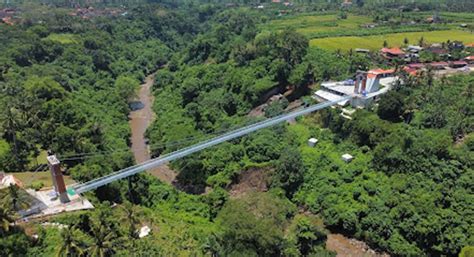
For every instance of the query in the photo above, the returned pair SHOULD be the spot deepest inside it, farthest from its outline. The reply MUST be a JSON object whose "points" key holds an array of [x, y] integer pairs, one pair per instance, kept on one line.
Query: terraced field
{"points": [[307, 24], [329, 32], [395, 39]]}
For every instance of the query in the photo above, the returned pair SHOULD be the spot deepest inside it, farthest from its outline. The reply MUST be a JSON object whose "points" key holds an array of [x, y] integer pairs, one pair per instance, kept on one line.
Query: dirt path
{"points": [[348, 247], [140, 118]]}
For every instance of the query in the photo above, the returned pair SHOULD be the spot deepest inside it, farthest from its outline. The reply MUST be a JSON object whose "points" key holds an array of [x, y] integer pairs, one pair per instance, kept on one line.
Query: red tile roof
{"points": [[374, 73], [416, 65], [439, 64], [470, 45], [459, 63], [410, 71], [469, 58], [392, 51]]}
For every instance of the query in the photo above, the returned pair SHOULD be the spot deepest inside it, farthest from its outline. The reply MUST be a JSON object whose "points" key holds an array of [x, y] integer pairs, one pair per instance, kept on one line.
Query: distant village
{"points": [[11, 16], [368, 85]]}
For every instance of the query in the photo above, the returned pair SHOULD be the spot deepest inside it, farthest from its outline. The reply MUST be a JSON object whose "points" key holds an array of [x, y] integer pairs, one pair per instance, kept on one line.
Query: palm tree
{"points": [[70, 244], [103, 241], [132, 215]]}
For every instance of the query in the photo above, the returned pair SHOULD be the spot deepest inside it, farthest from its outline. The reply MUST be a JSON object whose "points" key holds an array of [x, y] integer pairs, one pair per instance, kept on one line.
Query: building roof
{"points": [[469, 58], [392, 51], [459, 63], [439, 64], [374, 73], [328, 96], [437, 50], [470, 45], [8, 180], [416, 65], [411, 71]]}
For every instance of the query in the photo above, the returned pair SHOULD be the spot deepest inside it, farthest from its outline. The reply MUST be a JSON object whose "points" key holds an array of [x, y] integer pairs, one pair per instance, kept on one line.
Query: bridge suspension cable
{"points": [[153, 163]]}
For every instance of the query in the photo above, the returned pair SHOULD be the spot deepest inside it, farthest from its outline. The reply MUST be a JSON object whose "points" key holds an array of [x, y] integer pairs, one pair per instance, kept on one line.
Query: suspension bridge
{"points": [[153, 163]]}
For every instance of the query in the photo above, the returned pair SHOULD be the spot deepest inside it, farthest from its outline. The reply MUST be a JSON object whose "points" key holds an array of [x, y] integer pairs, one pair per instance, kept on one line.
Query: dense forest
{"points": [[66, 84]]}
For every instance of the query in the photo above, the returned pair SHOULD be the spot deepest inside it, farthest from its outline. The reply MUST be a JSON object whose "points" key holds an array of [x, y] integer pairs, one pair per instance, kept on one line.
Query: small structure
{"points": [[312, 142], [414, 49], [347, 157], [435, 49], [411, 71], [416, 66], [144, 231], [470, 45], [458, 64], [392, 53], [362, 50], [438, 65], [8, 180], [469, 59]]}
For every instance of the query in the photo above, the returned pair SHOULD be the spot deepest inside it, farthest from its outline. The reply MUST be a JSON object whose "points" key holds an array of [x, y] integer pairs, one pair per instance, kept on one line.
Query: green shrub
{"points": [[37, 185]]}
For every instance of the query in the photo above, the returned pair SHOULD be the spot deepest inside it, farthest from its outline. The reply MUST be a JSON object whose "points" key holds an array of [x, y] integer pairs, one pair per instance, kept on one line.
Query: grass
{"points": [[395, 39], [27, 178], [62, 38]]}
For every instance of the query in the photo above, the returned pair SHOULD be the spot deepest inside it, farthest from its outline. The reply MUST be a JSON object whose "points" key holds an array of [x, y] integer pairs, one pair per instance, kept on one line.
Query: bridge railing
{"points": [[153, 163]]}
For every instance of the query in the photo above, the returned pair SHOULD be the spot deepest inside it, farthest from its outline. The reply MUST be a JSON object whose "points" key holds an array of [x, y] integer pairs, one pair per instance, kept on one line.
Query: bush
{"points": [[37, 185]]}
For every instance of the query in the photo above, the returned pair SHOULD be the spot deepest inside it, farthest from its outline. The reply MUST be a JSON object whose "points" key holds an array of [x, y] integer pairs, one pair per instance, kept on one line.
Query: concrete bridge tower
{"points": [[57, 176]]}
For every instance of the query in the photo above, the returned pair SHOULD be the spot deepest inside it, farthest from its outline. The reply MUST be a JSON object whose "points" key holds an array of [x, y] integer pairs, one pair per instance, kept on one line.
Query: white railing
{"points": [[153, 163]]}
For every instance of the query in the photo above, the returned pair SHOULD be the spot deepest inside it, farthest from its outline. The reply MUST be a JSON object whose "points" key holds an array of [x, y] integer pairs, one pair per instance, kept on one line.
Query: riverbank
{"points": [[140, 118]]}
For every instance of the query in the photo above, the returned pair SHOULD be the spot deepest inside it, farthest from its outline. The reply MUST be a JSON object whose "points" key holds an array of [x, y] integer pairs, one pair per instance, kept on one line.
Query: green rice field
{"points": [[307, 24], [395, 39]]}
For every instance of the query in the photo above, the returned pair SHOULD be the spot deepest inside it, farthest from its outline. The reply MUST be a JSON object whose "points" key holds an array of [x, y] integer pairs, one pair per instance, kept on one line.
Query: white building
{"points": [[312, 142], [368, 85], [347, 157]]}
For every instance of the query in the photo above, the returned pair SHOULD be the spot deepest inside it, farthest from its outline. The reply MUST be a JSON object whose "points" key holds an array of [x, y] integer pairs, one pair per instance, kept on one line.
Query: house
{"points": [[260, 7], [470, 45], [347, 3], [370, 82], [347, 157], [312, 142], [414, 49], [456, 45], [8, 180], [469, 59], [458, 64], [438, 50], [416, 66], [7, 20], [287, 4], [391, 53], [411, 57], [276, 1], [410, 71], [438, 65]]}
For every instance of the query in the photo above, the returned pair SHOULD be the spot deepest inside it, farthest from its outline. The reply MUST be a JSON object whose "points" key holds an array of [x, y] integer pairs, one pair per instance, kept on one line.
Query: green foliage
{"points": [[254, 224], [391, 106], [289, 170], [37, 185]]}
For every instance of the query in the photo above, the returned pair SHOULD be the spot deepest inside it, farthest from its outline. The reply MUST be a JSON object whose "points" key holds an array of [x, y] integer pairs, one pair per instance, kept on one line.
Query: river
{"points": [[140, 118]]}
